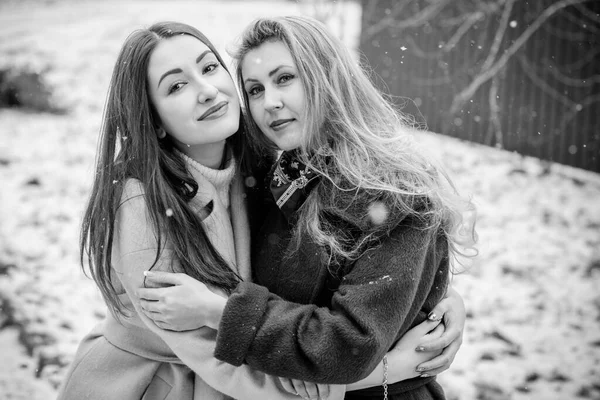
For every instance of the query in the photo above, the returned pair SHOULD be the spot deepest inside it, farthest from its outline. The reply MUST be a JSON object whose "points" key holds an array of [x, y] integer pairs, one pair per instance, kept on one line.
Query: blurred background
{"points": [[509, 89], [518, 75]]}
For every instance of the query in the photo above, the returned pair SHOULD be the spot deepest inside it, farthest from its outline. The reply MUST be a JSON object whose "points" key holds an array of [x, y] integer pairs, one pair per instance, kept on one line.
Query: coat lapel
{"points": [[241, 228]]}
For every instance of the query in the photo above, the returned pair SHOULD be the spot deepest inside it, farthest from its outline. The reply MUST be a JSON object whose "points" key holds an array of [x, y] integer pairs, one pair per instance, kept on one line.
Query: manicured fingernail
{"points": [[424, 375], [432, 316], [420, 348], [147, 273], [420, 369]]}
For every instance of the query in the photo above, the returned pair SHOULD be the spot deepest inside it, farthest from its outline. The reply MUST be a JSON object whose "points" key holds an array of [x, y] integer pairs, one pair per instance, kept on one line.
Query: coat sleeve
{"points": [[136, 245], [376, 303]]}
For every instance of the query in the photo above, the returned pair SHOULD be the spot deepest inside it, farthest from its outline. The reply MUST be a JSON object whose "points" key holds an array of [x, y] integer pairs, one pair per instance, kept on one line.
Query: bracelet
{"points": [[385, 378]]}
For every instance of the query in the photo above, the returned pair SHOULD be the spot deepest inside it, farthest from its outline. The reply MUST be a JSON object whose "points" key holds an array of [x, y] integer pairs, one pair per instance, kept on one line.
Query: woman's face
{"points": [[193, 94], [275, 93]]}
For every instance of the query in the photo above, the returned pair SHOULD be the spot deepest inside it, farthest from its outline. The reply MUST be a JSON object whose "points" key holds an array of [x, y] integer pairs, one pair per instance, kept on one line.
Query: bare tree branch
{"points": [[499, 35], [399, 6], [568, 35], [427, 14], [464, 28], [575, 82], [464, 95], [489, 7], [589, 56], [467, 23], [468, 7], [542, 84], [482, 7], [495, 127], [581, 23], [587, 13], [588, 101], [573, 107]]}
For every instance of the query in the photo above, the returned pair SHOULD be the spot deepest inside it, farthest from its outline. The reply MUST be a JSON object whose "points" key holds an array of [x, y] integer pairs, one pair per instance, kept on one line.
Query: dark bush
{"points": [[26, 89]]}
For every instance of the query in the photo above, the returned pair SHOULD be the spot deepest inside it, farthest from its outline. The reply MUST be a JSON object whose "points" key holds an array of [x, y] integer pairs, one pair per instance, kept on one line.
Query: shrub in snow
{"points": [[27, 89]]}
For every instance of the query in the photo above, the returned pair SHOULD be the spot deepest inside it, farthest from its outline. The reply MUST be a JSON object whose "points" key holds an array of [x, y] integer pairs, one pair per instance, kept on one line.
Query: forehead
{"points": [[265, 57], [174, 52]]}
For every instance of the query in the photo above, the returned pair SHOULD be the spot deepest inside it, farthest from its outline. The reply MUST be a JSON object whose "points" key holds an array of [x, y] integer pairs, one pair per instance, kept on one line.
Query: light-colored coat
{"points": [[133, 358]]}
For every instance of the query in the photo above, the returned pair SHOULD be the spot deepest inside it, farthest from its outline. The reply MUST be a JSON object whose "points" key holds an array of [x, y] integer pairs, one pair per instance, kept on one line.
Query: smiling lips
{"points": [[280, 124], [215, 111]]}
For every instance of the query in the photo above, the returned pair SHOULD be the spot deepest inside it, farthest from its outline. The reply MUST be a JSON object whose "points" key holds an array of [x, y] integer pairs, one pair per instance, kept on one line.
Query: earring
{"points": [[161, 133]]}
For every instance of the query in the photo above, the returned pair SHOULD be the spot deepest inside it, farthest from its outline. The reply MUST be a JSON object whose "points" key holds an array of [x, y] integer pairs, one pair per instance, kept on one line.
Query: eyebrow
{"points": [[178, 70], [273, 72]]}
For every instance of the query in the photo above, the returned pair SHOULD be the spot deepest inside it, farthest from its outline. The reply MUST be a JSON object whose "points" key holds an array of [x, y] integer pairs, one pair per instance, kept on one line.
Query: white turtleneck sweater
{"points": [[214, 186], [119, 358]]}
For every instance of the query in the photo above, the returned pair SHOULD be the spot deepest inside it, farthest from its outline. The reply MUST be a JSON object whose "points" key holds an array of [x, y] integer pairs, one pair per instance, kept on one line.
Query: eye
{"points": [[254, 91], [285, 78], [176, 87], [210, 67]]}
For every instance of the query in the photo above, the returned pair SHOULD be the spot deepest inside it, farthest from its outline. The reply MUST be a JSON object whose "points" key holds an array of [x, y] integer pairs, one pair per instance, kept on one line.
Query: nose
{"points": [[206, 91], [273, 100]]}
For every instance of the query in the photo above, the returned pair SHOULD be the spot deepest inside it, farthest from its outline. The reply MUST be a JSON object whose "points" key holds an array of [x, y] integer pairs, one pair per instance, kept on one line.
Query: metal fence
{"points": [[546, 98]]}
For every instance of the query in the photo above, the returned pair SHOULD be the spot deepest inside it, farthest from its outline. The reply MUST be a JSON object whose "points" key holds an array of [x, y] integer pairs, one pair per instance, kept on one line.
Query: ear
{"points": [[161, 133]]}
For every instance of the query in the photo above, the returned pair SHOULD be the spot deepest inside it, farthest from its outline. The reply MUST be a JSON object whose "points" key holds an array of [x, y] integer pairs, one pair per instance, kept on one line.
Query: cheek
{"points": [[255, 112], [175, 104], [300, 99], [225, 84], [169, 115], [235, 102], [162, 112]]}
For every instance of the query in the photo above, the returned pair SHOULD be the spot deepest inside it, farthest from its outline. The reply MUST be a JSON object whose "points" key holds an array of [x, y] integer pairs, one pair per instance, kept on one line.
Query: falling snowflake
{"points": [[572, 149], [250, 181], [169, 212], [378, 212]]}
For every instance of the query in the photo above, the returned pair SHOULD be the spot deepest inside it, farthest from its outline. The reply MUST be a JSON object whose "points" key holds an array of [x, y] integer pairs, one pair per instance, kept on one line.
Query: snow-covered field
{"points": [[533, 294]]}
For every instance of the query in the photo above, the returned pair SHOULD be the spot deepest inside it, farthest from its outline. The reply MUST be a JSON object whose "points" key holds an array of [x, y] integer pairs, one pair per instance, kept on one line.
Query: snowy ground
{"points": [[534, 309]]}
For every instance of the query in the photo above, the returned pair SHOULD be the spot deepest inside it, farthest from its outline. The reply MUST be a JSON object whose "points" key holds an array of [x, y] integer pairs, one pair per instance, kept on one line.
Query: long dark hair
{"points": [[129, 148]]}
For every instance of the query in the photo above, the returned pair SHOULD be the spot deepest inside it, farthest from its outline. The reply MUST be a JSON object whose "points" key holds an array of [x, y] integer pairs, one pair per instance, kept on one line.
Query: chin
{"points": [[284, 143], [230, 128], [288, 145], [286, 148]]}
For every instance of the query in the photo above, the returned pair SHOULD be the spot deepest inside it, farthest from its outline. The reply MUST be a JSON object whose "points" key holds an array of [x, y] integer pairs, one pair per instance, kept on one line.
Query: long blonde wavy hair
{"points": [[357, 140]]}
